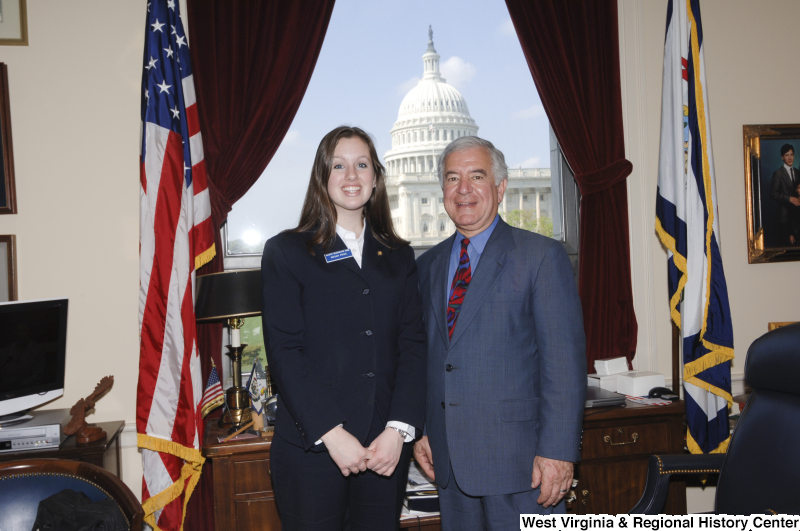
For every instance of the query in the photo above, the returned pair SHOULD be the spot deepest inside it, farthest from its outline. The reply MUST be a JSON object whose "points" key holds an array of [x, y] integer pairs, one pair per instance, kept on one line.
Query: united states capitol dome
{"points": [[432, 94], [431, 115]]}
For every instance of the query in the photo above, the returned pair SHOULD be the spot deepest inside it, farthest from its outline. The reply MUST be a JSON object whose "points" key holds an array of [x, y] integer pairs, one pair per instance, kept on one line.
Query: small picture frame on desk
{"points": [[8, 268]]}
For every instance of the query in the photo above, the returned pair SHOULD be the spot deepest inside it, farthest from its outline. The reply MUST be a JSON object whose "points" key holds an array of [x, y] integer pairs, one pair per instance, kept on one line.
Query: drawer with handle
{"points": [[624, 440]]}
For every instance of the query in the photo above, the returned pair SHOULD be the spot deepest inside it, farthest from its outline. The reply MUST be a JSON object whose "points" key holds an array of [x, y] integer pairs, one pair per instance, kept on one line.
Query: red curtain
{"points": [[252, 62], [572, 49]]}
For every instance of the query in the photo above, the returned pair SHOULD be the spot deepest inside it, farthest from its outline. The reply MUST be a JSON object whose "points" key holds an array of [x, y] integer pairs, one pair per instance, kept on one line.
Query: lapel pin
{"points": [[380, 253]]}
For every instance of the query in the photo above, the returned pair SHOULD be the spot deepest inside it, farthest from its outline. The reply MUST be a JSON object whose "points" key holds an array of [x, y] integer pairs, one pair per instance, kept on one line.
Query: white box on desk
{"points": [[608, 382], [607, 366], [638, 383]]}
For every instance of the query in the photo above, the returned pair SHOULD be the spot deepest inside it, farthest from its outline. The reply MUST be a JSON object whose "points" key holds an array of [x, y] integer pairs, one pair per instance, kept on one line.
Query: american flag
{"points": [[175, 238], [212, 397]]}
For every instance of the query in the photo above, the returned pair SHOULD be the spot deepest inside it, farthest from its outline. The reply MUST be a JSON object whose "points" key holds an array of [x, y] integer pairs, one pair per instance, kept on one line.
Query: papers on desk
{"points": [[648, 401], [422, 499], [417, 480]]}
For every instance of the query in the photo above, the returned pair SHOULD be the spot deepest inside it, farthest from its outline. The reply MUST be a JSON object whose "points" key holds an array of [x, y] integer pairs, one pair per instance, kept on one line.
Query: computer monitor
{"points": [[33, 347]]}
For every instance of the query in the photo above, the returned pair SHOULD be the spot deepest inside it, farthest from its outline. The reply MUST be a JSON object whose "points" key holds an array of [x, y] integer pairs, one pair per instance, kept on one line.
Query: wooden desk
{"points": [[612, 472], [611, 476], [243, 495], [105, 453], [422, 523]]}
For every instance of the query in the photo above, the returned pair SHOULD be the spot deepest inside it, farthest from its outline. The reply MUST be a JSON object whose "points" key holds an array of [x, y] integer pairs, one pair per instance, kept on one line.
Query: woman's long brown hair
{"points": [[319, 212]]}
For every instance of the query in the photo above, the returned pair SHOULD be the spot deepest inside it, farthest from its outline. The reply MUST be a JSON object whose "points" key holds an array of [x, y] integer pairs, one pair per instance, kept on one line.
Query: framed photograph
{"points": [[772, 192], [13, 23], [8, 268], [8, 193]]}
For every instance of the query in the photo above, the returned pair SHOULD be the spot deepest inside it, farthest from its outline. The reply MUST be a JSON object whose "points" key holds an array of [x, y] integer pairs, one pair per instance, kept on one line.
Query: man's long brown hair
{"points": [[319, 212]]}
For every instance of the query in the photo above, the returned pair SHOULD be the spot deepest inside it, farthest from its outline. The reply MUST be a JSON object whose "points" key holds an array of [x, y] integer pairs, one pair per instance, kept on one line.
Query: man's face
{"points": [[470, 193], [788, 157]]}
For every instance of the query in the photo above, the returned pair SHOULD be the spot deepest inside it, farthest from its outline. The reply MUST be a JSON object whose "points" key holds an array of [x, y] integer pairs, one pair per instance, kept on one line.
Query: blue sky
{"points": [[371, 57]]}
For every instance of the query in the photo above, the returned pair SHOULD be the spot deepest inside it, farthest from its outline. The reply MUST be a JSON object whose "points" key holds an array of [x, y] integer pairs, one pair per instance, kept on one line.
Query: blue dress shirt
{"points": [[475, 248]]}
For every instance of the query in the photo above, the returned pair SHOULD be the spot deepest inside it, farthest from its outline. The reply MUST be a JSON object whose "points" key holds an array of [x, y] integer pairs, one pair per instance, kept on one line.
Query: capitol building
{"points": [[431, 115]]}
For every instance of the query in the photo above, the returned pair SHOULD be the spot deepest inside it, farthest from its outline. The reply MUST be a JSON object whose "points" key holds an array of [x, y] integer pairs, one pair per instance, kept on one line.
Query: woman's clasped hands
{"points": [[381, 456]]}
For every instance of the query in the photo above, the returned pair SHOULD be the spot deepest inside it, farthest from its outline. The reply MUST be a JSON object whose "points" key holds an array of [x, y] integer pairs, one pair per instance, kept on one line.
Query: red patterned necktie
{"points": [[459, 287]]}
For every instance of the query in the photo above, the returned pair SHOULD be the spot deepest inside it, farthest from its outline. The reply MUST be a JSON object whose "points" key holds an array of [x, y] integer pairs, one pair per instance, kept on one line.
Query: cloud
{"points": [[406, 86], [507, 28], [291, 137], [533, 162], [457, 71], [531, 112]]}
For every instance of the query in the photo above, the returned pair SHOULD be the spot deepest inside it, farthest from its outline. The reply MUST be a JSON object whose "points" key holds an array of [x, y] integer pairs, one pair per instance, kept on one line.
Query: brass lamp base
{"points": [[236, 397], [238, 404]]}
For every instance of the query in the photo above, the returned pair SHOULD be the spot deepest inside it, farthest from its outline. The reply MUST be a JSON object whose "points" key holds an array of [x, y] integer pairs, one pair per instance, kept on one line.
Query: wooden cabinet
{"points": [[617, 444], [104, 453], [243, 495]]}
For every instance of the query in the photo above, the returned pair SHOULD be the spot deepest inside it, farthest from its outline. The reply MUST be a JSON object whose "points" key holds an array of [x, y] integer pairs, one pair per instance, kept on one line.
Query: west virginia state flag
{"points": [[687, 224]]}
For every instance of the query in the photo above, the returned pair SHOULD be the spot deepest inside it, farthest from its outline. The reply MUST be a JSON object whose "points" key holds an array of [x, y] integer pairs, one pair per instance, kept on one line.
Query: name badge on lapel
{"points": [[338, 255]]}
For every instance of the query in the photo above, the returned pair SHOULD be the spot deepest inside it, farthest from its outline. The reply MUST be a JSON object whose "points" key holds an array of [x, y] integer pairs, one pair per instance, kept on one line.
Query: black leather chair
{"points": [[24, 483], [760, 474]]}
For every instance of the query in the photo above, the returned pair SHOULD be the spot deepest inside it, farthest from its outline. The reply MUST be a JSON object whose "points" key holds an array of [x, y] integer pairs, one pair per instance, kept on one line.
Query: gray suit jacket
{"points": [[511, 383]]}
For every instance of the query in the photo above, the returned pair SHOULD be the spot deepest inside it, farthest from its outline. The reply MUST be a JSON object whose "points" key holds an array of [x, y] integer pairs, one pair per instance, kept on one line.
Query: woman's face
{"points": [[352, 176]]}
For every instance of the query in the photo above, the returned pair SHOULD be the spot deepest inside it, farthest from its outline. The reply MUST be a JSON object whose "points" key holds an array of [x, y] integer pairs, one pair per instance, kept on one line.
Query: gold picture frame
{"points": [[13, 23], [772, 223], [773, 326]]}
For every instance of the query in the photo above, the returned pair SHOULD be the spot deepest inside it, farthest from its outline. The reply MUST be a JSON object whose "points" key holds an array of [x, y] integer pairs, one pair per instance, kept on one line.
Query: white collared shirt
{"points": [[356, 245]]}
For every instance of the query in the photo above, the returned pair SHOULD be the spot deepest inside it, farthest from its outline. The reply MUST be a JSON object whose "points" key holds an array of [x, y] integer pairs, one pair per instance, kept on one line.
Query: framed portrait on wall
{"points": [[8, 194], [13, 23], [8, 268], [772, 191]]}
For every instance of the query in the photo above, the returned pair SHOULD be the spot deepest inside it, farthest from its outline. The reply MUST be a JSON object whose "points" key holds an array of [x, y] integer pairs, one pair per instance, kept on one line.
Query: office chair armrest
{"points": [[662, 467]]}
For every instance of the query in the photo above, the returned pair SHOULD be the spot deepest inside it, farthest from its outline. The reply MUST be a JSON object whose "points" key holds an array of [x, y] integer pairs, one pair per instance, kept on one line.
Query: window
{"points": [[510, 110], [252, 336]]}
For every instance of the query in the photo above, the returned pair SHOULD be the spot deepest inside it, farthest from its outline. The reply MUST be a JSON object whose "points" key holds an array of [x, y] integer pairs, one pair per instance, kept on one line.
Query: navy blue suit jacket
{"points": [[342, 340], [511, 383]]}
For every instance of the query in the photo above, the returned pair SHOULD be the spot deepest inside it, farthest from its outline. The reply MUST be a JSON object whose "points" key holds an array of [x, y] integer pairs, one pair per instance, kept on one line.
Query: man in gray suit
{"points": [[506, 355]]}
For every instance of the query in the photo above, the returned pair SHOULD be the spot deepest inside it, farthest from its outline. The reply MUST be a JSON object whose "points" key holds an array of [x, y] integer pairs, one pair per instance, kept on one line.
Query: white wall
{"points": [[75, 112], [747, 46], [75, 101]]}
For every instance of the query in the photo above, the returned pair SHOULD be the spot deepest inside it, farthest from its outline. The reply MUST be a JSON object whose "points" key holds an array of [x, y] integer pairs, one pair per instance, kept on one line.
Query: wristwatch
{"points": [[403, 433]]}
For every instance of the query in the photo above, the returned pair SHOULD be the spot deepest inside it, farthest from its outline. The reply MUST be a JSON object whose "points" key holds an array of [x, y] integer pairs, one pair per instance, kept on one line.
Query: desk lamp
{"points": [[231, 296]]}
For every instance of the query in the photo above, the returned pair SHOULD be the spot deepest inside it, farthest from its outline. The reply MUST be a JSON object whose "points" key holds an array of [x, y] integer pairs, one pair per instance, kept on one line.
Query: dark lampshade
{"points": [[221, 296]]}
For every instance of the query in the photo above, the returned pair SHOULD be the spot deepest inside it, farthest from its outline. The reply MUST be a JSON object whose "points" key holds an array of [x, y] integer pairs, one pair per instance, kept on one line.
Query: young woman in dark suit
{"points": [[346, 346]]}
